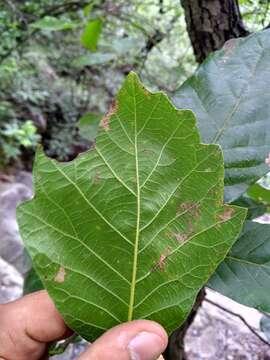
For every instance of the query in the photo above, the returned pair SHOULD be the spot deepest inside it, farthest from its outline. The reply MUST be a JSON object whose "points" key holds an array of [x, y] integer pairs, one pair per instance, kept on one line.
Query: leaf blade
{"points": [[229, 96], [244, 276], [120, 240]]}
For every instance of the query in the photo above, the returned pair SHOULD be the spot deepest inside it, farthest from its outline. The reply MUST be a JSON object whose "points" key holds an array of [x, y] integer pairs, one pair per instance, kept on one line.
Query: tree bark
{"points": [[175, 349], [210, 23]]}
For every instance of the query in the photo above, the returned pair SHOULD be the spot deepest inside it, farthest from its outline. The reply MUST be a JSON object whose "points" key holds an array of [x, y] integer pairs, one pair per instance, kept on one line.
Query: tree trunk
{"points": [[210, 23], [175, 349]]}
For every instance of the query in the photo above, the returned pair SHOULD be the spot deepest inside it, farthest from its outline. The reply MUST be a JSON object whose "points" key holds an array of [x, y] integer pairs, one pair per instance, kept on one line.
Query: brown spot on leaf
{"points": [[160, 264], [192, 208], [105, 122], [60, 276], [97, 177], [147, 152], [180, 237], [146, 92], [227, 214]]}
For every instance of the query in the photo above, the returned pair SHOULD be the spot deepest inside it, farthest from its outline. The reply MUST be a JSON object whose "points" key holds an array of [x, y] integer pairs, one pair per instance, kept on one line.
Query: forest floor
{"points": [[214, 335]]}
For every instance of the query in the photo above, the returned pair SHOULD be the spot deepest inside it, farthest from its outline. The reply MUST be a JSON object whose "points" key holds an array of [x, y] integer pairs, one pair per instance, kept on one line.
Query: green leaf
{"points": [[135, 227], [255, 209], [50, 23], [88, 125], [32, 283], [260, 194], [229, 94], [91, 34], [244, 276]]}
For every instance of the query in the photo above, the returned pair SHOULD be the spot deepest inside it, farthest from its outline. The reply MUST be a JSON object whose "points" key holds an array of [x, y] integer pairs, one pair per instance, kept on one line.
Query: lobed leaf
{"points": [[133, 228]]}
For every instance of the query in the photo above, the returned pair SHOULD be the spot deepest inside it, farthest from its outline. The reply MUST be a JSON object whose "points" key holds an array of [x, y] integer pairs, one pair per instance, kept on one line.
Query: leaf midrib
{"points": [[136, 245]]}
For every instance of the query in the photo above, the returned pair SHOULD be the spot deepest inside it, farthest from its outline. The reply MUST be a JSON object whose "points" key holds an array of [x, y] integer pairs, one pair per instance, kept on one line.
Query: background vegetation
{"points": [[60, 60]]}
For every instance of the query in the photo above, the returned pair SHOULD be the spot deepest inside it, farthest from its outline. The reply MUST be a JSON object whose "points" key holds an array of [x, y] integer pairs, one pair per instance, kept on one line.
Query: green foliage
{"points": [[233, 111], [119, 241], [91, 34], [245, 274], [47, 76], [260, 193], [32, 283], [14, 137], [230, 95]]}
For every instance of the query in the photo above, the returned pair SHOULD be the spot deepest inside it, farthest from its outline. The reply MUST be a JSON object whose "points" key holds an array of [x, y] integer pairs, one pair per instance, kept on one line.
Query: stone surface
{"points": [[217, 335], [11, 247], [11, 283]]}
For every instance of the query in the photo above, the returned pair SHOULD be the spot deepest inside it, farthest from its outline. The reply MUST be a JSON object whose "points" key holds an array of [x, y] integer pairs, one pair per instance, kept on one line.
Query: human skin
{"points": [[28, 325]]}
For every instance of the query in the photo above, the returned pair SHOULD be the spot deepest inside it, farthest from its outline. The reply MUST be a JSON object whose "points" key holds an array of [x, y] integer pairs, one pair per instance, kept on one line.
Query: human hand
{"points": [[28, 325]]}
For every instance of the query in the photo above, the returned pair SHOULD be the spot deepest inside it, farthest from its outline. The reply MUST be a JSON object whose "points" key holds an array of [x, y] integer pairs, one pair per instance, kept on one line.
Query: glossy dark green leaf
{"points": [[244, 276], [91, 34], [255, 209], [135, 227], [32, 283], [230, 95]]}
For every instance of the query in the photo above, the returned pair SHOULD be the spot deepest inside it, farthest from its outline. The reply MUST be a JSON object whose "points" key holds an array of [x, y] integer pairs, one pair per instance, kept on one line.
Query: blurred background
{"points": [[61, 63]]}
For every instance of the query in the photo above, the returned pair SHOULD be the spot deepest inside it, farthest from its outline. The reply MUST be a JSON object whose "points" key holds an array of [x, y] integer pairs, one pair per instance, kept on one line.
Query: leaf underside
{"points": [[133, 228], [229, 94]]}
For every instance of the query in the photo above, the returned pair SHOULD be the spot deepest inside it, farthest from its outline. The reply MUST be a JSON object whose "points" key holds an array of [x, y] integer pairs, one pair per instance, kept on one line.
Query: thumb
{"points": [[136, 340]]}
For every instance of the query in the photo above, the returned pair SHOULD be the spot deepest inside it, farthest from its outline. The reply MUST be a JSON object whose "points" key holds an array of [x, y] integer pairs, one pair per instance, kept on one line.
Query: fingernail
{"points": [[146, 346]]}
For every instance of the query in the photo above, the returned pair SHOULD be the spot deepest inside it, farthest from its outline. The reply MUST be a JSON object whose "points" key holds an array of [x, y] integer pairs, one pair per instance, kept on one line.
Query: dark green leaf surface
{"points": [[230, 96], [255, 209], [259, 193], [244, 276], [32, 283], [135, 227]]}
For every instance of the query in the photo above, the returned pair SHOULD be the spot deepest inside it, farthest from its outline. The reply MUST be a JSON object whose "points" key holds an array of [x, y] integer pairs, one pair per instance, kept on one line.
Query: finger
{"points": [[136, 340], [27, 325]]}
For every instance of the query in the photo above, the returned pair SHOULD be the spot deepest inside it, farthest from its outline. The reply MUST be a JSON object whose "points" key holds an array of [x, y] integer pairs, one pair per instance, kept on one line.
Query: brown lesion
{"points": [[226, 215], [97, 177], [180, 237], [60, 276], [160, 264], [105, 122], [192, 208]]}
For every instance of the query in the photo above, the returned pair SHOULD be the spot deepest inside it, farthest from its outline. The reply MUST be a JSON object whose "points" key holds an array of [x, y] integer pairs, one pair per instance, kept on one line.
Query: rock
{"points": [[218, 335], [11, 247], [72, 352], [11, 282]]}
